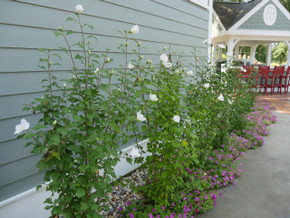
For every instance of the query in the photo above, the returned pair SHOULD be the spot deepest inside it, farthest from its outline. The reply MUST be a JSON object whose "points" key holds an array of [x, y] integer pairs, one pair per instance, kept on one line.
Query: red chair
{"points": [[286, 78], [277, 79], [247, 72], [263, 73]]}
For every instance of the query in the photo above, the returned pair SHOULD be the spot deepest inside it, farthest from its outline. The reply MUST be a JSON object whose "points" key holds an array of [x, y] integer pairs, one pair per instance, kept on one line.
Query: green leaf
{"points": [[57, 55], [90, 36], [119, 31], [26, 109], [79, 57], [90, 26], [129, 160], [57, 64], [81, 192], [39, 126], [29, 135], [64, 49], [42, 165], [84, 206], [56, 33], [69, 19], [41, 50], [56, 155], [42, 67], [69, 32]]}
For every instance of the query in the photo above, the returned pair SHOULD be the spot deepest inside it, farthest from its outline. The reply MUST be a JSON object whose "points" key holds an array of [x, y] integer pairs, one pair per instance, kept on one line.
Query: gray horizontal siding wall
{"points": [[28, 25]]}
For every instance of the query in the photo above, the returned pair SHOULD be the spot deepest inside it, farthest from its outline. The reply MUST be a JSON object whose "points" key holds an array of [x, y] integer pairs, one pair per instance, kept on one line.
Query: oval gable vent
{"points": [[270, 15]]}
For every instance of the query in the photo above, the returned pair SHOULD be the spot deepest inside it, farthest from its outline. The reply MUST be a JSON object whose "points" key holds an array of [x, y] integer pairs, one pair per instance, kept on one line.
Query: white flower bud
{"points": [[149, 61], [140, 116], [79, 9], [221, 97], [134, 29], [176, 118], [189, 73], [130, 65], [153, 97], [24, 125], [96, 71], [206, 85]]}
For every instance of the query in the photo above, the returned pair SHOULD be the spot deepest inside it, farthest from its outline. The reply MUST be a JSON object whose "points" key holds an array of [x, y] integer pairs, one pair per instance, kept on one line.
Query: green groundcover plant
{"points": [[197, 125]]}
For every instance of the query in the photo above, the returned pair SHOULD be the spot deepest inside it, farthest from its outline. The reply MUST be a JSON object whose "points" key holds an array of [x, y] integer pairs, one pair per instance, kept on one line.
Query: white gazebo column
{"points": [[269, 54], [237, 51], [253, 53], [288, 56], [213, 53], [220, 54], [230, 52]]}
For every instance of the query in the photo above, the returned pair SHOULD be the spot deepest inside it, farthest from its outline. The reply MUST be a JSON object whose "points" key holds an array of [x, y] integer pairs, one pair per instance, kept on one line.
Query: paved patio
{"points": [[263, 191], [279, 103]]}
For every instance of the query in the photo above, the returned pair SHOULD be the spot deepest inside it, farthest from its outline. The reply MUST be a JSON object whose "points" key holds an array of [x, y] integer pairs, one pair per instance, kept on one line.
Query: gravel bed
{"points": [[121, 195]]}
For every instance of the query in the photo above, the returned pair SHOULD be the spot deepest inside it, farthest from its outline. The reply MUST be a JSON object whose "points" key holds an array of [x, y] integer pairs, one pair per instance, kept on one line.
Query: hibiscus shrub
{"points": [[162, 117], [82, 125]]}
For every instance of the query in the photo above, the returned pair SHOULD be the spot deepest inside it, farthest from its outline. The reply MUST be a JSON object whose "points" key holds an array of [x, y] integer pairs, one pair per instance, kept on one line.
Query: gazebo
{"points": [[250, 24]]}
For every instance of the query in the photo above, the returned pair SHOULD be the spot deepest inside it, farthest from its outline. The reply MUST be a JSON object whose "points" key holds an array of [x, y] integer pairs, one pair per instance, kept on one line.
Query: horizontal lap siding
{"points": [[28, 25]]}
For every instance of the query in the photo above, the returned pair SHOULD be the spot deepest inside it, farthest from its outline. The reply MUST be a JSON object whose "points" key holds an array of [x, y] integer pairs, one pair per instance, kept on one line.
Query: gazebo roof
{"points": [[250, 24], [230, 12]]}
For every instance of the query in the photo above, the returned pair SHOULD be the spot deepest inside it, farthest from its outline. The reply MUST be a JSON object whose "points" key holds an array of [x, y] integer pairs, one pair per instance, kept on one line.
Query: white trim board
{"points": [[219, 21], [260, 33], [29, 204], [202, 3]]}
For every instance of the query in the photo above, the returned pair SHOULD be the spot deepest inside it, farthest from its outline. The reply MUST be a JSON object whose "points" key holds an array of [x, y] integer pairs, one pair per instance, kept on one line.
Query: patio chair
{"points": [[286, 78], [277, 79], [247, 72], [263, 73]]}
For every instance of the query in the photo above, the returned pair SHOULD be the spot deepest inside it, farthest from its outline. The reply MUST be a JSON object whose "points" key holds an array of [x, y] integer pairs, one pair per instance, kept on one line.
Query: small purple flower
{"points": [[128, 203], [154, 210], [120, 208], [173, 204], [205, 197]]}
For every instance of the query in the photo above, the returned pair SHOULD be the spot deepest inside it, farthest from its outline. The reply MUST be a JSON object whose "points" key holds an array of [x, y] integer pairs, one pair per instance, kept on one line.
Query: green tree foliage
{"points": [[280, 53], [261, 53], [286, 4]]}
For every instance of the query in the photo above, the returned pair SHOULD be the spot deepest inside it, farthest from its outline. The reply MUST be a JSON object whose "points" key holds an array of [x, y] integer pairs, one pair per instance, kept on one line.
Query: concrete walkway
{"points": [[263, 190]]}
